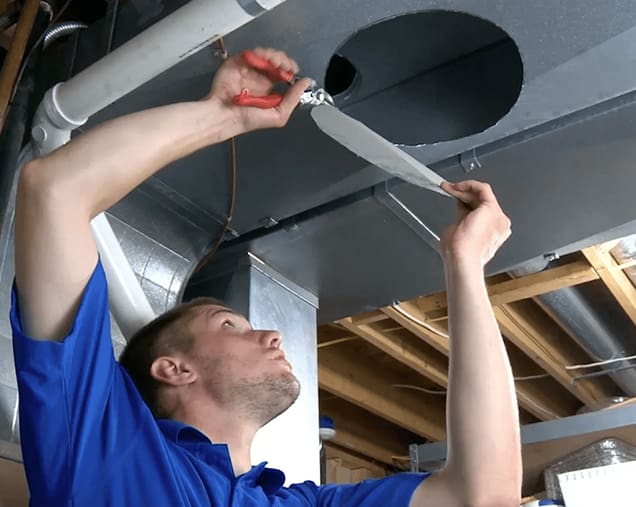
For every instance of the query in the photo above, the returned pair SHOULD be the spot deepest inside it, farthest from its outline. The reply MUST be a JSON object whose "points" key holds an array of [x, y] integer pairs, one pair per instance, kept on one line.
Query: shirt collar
{"points": [[179, 432], [270, 479]]}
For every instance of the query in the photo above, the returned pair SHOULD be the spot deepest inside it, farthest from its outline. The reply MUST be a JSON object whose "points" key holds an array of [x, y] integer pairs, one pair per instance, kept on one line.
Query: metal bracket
{"points": [[384, 196], [469, 160]]}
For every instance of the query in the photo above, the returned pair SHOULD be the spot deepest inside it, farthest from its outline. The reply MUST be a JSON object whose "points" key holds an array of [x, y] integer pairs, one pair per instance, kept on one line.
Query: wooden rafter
{"points": [[545, 342], [428, 334], [361, 385], [614, 278], [362, 433], [573, 273], [538, 404], [4, 6], [353, 460], [399, 349], [13, 60], [375, 449]]}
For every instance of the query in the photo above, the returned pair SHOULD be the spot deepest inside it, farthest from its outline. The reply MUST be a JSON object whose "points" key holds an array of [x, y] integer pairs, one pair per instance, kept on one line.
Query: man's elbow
{"points": [[32, 182], [39, 188]]}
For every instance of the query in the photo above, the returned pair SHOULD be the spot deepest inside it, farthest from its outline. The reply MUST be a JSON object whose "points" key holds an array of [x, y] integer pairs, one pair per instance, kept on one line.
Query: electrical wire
{"points": [[418, 388], [600, 363], [426, 325], [419, 321], [39, 41], [602, 373], [532, 377], [230, 212]]}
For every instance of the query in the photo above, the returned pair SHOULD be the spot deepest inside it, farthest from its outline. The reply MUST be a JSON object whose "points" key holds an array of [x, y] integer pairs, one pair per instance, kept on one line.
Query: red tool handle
{"points": [[266, 102], [266, 67], [272, 72]]}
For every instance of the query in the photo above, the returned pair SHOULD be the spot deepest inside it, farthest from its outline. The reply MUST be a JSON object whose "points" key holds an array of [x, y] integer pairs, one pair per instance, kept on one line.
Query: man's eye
{"points": [[227, 323]]}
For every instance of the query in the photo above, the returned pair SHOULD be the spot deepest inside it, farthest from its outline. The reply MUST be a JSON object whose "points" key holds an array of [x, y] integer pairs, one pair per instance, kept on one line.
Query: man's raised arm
{"points": [[483, 467], [58, 195]]}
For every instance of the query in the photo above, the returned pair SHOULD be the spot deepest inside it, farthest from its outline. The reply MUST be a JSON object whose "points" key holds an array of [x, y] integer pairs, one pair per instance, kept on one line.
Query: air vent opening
{"points": [[341, 74], [428, 77]]}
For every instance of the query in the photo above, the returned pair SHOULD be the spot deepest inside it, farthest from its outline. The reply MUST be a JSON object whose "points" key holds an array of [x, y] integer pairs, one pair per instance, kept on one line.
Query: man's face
{"points": [[240, 366]]}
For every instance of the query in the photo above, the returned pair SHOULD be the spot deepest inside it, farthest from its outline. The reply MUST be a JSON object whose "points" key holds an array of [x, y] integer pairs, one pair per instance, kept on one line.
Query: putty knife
{"points": [[366, 143]]}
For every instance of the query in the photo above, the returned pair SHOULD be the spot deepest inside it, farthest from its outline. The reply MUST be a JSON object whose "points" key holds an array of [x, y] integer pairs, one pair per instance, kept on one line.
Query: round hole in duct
{"points": [[430, 76], [340, 76]]}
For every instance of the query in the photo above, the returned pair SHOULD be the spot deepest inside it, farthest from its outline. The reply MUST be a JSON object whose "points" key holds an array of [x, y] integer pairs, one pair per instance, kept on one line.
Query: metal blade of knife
{"points": [[364, 142]]}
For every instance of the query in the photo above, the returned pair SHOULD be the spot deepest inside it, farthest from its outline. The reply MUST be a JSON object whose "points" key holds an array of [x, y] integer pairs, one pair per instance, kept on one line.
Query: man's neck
{"points": [[223, 427]]}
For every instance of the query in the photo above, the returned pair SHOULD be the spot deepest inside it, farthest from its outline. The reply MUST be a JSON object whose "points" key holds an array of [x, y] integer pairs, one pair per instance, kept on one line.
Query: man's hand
{"points": [[480, 227], [235, 75]]}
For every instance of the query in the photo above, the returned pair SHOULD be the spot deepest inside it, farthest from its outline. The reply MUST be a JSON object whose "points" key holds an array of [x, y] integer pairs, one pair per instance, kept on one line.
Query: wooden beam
{"points": [[529, 286], [336, 341], [541, 405], [416, 359], [626, 264], [352, 460], [373, 449], [4, 6], [434, 339], [614, 278], [540, 338], [14, 57], [361, 385], [365, 433], [369, 317], [574, 273]]}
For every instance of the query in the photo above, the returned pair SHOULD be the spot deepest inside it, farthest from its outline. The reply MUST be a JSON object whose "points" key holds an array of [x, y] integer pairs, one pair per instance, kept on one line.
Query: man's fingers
{"points": [[471, 192], [278, 58], [291, 98]]}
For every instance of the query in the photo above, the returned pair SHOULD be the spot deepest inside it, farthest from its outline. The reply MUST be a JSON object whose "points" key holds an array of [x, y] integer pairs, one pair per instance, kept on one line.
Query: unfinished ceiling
{"points": [[537, 98]]}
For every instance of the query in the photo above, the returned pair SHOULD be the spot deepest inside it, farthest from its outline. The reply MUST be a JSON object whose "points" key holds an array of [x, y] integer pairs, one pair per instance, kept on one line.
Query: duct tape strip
{"points": [[252, 7]]}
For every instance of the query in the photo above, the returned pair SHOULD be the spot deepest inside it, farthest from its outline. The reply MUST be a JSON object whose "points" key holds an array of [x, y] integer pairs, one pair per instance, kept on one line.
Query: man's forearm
{"points": [[101, 166], [483, 431]]}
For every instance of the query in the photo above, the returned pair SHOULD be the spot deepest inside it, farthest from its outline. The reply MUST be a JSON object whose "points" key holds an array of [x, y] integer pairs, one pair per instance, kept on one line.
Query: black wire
{"points": [[39, 41]]}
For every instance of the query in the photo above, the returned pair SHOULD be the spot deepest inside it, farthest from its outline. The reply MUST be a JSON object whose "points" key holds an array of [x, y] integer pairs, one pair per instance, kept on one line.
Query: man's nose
{"points": [[272, 339]]}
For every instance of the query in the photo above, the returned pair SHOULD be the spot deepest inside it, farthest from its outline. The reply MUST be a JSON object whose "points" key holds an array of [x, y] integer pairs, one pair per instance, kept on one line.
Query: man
{"points": [[209, 379]]}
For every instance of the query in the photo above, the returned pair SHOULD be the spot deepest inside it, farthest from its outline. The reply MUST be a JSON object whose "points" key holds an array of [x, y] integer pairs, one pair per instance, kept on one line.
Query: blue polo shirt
{"points": [[88, 439]]}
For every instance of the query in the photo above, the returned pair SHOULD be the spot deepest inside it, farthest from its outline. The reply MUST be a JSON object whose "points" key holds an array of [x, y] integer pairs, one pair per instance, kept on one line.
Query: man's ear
{"points": [[174, 371]]}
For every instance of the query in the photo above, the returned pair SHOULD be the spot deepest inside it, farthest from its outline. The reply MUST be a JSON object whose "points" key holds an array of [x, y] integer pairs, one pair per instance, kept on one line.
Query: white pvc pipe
{"points": [[68, 105], [128, 302], [173, 39]]}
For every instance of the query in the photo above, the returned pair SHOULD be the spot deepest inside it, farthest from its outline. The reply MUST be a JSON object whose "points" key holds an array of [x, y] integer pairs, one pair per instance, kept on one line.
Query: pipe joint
{"points": [[51, 127]]}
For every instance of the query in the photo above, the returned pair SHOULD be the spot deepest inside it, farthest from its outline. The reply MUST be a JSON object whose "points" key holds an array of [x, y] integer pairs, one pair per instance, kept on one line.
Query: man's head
{"points": [[203, 349]]}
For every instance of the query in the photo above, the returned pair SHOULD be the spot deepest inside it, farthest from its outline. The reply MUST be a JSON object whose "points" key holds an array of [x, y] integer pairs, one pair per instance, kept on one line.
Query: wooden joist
{"points": [[548, 345], [573, 273], [349, 378], [538, 404], [614, 278], [429, 334], [15, 56], [413, 357], [375, 449]]}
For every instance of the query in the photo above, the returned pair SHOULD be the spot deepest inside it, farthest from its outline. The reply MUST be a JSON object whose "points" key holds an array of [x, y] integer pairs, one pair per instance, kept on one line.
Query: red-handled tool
{"points": [[273, 73], [266, 67]]}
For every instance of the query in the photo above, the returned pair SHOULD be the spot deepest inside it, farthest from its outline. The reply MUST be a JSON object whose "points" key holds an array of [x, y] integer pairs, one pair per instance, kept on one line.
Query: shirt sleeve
{"points": [[77, 408], [395, 491]]}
